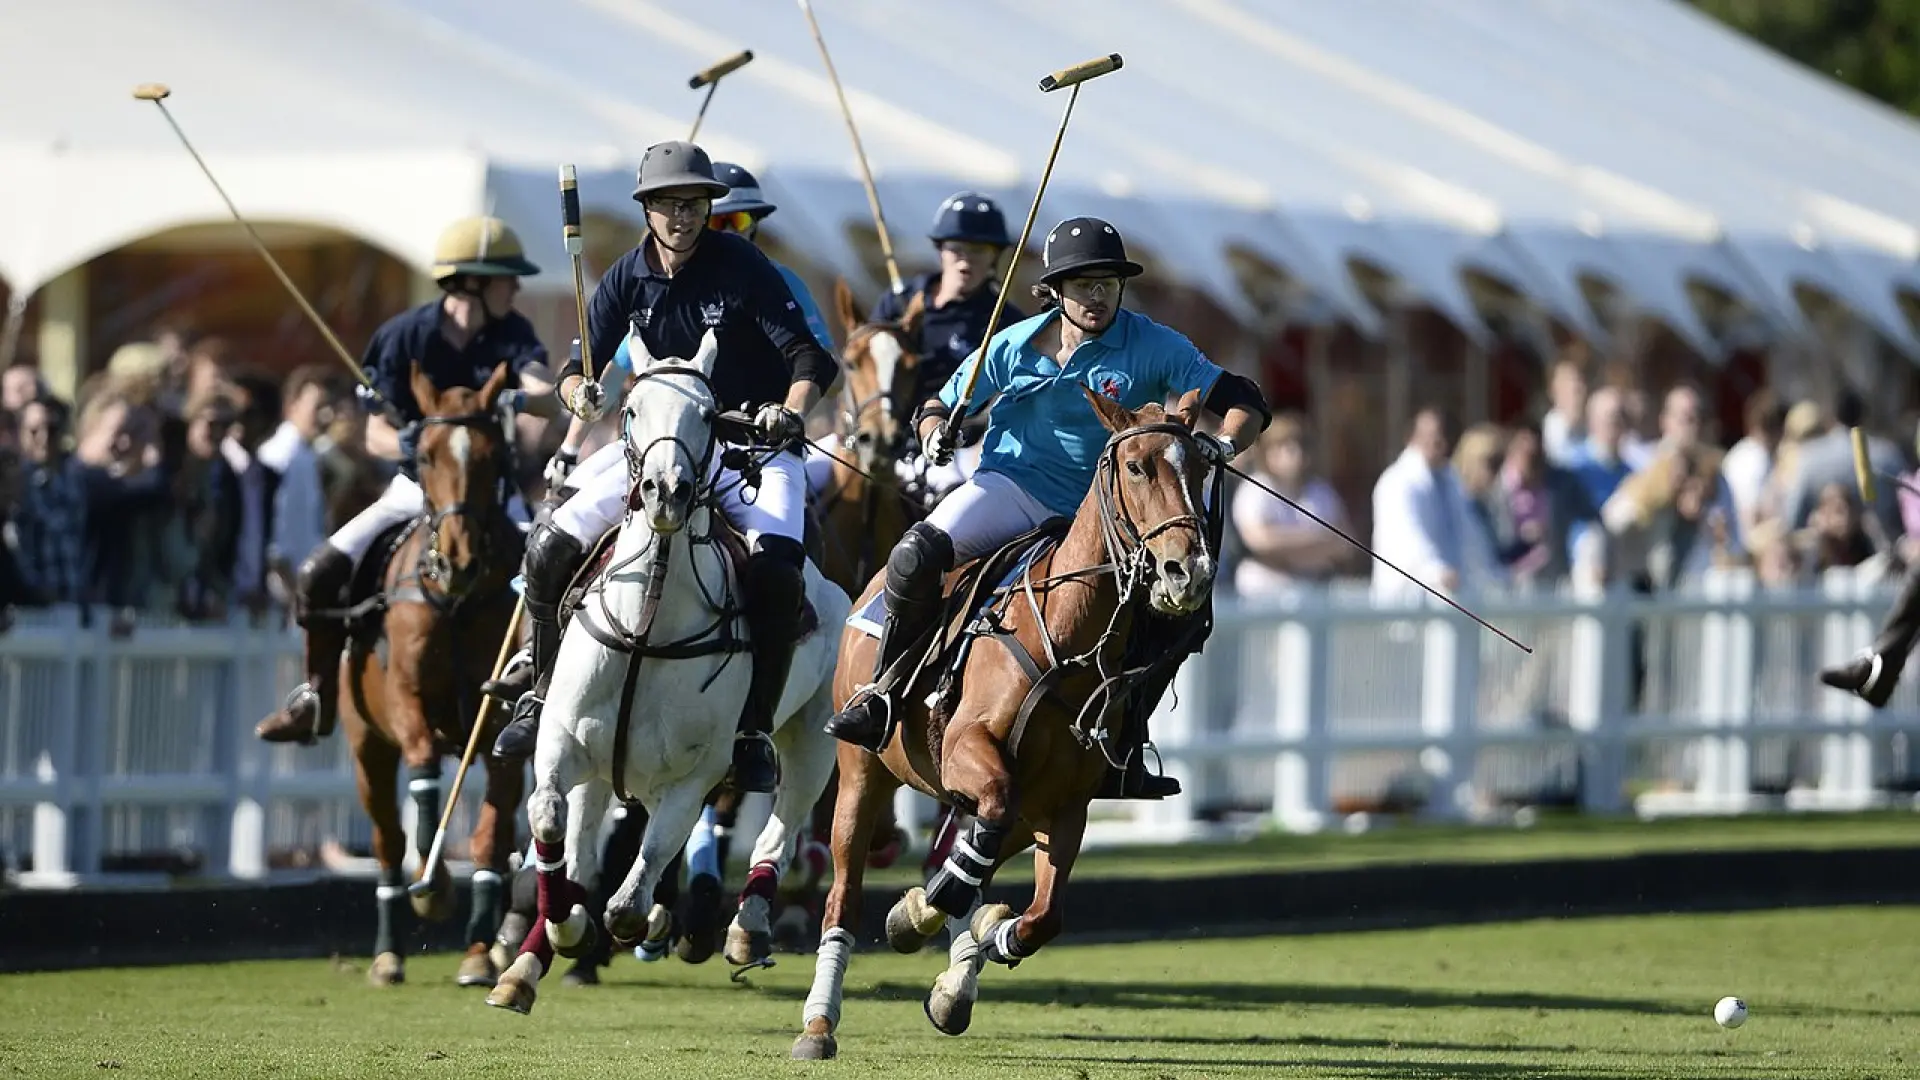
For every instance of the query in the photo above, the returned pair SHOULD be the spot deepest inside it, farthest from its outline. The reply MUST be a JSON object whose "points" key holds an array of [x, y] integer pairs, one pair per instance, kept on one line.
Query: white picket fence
{"points": [[1300, 714]]}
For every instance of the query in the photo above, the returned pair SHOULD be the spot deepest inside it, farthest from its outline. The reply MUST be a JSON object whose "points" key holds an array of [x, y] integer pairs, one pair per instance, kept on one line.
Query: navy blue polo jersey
{"points": [[727, 285], [414, 335], [950, 334]]}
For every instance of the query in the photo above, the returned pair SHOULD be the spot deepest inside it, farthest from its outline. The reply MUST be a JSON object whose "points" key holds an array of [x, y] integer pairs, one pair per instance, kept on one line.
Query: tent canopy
{"points": [[1534, 141]]}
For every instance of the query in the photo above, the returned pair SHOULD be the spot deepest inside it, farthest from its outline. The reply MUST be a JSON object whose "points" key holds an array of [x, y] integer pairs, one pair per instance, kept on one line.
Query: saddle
{"points": [[367, 591], [733, 547]]}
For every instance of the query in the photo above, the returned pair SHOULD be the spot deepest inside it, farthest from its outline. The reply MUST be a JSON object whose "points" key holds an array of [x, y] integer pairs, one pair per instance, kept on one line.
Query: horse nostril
{"points": [[649, 487], [682, 492], [1174, 571]]}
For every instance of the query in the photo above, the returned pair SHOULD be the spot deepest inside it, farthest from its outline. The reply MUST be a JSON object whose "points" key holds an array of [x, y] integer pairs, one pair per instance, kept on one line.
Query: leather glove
{"points": [[1216, 450], [588, 401], [559, 467], [780, 424], [938, 444]]}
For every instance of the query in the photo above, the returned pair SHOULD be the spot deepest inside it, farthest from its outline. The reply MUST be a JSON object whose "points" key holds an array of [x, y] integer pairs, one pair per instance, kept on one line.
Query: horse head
{"points": [[880, 366], [1149, 484], [462, 458], [667, 424]]}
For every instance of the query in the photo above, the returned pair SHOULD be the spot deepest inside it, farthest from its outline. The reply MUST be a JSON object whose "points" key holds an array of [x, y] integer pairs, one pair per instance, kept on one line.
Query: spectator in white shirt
{"points": [[1564, 427], [1750, 461], [299, 515], [1283, 547], [1419, 518]]}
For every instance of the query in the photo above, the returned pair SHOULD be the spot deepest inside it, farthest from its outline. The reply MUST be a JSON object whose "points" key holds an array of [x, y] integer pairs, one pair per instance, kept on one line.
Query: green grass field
{"points": [[1555, 837], [1833, 994]]}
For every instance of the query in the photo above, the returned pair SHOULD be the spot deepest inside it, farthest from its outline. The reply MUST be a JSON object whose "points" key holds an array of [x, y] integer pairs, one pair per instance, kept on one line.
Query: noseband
{"points": [[886, 398], [702, 462]]}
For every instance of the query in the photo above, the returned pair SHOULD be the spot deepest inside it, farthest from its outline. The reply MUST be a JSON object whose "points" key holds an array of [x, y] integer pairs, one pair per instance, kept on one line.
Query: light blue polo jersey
{"points": [[800, 296], [1044, 434]]}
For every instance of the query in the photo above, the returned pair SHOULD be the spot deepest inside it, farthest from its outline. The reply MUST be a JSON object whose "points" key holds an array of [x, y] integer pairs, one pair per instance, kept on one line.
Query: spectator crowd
{"points": [[1610, 487], [175, 482]]}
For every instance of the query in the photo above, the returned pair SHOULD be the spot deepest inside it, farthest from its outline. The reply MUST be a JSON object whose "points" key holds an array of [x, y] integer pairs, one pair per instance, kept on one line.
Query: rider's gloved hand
{"points": [[588, 401], [938, 443], [1216, 450], [559, 467], [780, 424]]}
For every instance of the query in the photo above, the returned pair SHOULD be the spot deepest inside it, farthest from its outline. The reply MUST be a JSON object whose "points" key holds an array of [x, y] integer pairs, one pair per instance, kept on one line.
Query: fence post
{"points": [[1440, 714], [1301, 801], [245, 763]]}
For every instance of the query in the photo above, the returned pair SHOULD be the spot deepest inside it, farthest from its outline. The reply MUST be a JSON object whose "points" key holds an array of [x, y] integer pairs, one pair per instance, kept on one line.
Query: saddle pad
{"points": [[869, 616]]}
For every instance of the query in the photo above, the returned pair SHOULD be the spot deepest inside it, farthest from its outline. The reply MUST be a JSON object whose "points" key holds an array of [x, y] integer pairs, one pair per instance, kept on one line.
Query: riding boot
{"points": [[1174, 639], [1874, 674], [776, 593], [320, 589], [915, 572], [553, 558]]}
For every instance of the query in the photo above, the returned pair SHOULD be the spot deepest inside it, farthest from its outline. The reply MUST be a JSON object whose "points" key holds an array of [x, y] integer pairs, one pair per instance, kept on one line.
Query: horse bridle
{"points": [[886, 398], [1126, 544], [705, 478], [433, 565]]}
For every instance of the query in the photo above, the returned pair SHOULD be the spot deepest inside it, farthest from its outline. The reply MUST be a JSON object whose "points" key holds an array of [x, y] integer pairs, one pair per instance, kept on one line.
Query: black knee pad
{"points": [[918, 561], [776, 585], [553, 558]]}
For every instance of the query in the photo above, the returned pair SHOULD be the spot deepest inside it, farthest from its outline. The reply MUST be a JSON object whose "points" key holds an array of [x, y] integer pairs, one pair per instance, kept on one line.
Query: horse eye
{"points": [[1134, 468]]}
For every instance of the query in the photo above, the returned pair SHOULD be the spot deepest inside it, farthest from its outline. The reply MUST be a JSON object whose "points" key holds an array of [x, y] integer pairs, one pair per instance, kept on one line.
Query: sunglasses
{"points": [[738, 221]]}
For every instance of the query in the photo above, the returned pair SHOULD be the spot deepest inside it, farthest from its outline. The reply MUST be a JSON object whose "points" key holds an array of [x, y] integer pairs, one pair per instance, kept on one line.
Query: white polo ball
{"points": [[1730, 1012]]}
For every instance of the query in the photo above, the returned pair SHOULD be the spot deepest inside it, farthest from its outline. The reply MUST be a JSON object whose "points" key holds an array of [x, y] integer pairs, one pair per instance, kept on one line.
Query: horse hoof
{"points": [[387, 970], [699, 920], [815, 1048], [516, 990], [912, 922], [747, 946], [582, 945], [949, 1005], [988, 917], [477, 969], [581, 974], [659, 936]]}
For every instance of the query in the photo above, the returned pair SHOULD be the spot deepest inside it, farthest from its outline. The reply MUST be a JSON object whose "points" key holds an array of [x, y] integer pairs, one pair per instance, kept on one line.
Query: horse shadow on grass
{"points": [[1355, 1068], [1213, 996]]}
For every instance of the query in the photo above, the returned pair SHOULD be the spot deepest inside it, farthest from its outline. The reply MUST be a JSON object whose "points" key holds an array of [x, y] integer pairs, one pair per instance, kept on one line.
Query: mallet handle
{"points": [[1079, 73], [860, 152], [507, 643], [1863, 468], [721, 70], [576, 247]]}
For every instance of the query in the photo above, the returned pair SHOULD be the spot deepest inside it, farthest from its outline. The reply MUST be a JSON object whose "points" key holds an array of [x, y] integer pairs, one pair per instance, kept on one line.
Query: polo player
{"points": [[682, 280], [458, 340], [1041, 448]]}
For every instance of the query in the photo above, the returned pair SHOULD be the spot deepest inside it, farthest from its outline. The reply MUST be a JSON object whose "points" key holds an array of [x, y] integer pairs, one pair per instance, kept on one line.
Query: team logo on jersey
{"points": [[712, 314], [642, 318]]}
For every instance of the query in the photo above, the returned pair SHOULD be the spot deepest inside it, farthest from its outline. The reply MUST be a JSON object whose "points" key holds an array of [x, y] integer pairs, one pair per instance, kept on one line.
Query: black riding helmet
{"points": [[676, 164], [1080, 246]]}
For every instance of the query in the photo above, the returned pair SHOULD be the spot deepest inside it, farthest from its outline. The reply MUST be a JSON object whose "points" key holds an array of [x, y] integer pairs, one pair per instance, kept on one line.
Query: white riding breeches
{"points": [[778, 508], [985, 512], [400, 503]]}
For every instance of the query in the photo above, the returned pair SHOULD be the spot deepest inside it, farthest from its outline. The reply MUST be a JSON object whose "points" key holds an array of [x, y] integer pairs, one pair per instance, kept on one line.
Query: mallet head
{"points": [[152, 91], [1081, 72], [721, 70]]}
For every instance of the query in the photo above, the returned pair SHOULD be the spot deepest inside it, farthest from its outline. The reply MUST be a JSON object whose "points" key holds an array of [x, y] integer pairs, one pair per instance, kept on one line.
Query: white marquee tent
{"points": [[1535, 141]]}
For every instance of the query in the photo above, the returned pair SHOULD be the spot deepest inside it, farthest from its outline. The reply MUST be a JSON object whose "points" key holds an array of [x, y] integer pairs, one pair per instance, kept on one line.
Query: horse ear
{"points": [[843, 307], [1187, 412], [425, 394], [916, 311], [496, 382], [1114, 416], [709, 351], [637, 355]]}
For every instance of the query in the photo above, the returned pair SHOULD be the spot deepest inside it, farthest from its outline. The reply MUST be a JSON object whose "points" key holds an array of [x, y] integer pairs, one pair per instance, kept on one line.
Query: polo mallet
{"points": [[710, 79], [425, 884], [1073, 76], [860, 152], [158, 93], [1863, 467]]}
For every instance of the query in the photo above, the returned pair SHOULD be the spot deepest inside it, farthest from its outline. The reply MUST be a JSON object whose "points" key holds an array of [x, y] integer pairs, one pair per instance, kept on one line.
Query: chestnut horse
{"points": [[1020, 742], [447, 604]]}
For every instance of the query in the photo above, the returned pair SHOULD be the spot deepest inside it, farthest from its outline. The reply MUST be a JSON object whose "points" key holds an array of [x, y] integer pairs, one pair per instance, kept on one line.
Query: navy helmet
{"points": [[743, 194], [970, 218], [1081, 246]]}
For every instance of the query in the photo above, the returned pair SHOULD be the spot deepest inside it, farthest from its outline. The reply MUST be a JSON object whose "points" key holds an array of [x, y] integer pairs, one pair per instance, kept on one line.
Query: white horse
{"points": [[685, 710]]}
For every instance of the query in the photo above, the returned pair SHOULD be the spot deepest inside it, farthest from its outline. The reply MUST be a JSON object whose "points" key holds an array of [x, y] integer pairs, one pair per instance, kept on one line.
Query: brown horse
{"points": [[443, 602], [1021, 741]]}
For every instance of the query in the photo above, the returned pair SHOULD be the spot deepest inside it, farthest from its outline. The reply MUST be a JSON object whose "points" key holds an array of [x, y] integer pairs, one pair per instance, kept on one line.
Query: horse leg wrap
{"points": [[390, 899], [703, 847], [1003, 945], [762, 881], [423, 783], [557, 893], [829, 974], [955, 887], [484, 922]]}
